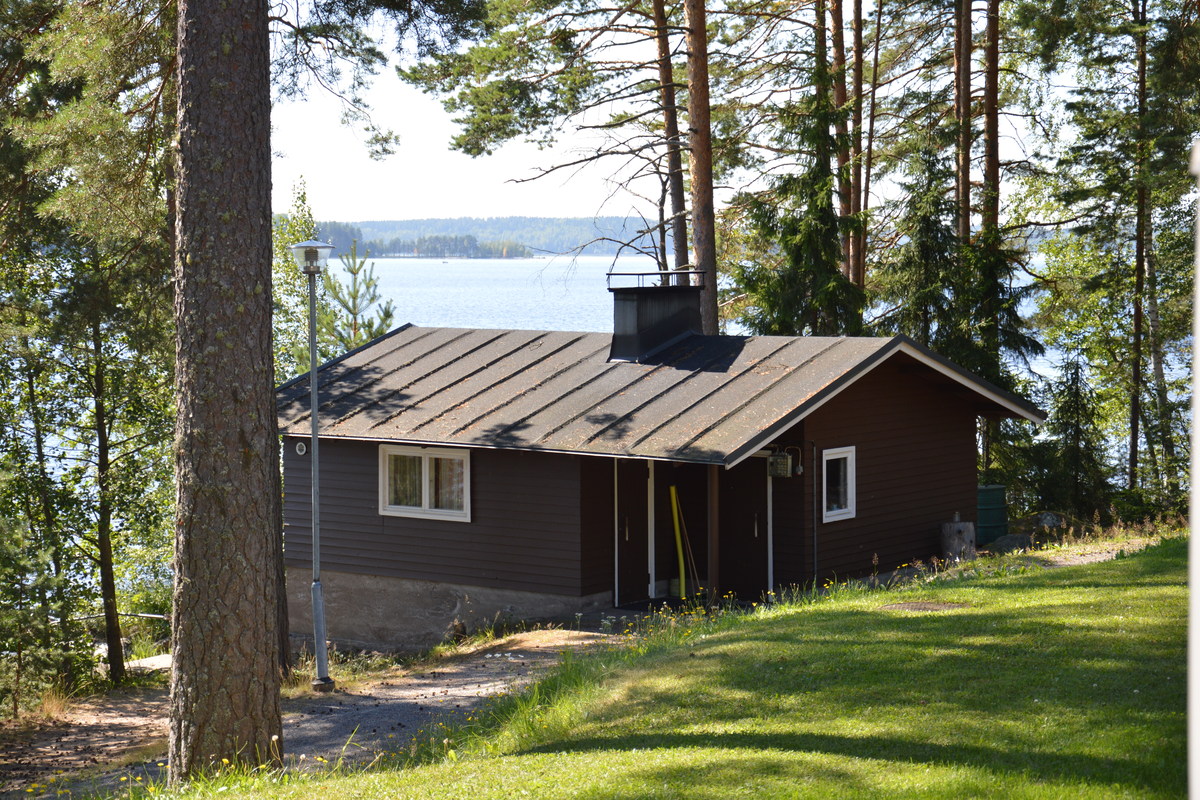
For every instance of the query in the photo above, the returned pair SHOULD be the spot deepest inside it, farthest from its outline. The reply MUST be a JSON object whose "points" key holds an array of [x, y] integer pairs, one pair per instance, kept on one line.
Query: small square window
{"points": [[433, 483], [839, 487]]}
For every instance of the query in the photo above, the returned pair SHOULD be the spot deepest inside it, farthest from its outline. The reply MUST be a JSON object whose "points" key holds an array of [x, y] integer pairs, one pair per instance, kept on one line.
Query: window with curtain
{"points": [[425, 482]]}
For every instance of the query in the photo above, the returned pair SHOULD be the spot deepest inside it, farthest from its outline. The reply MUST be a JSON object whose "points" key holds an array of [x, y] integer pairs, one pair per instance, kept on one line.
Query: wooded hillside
{"points": [[490, 237]]}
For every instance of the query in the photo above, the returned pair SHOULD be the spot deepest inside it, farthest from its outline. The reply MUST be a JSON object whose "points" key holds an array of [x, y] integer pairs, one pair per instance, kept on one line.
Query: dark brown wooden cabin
{"points": [[470, 473]]}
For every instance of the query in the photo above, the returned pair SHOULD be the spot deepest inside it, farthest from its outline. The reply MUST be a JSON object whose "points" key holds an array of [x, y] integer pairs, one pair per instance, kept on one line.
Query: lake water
{"points": [[558, 294]]}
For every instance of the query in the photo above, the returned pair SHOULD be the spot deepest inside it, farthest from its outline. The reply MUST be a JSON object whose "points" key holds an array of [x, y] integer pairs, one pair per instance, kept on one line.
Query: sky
{"points": [[424, 178]]}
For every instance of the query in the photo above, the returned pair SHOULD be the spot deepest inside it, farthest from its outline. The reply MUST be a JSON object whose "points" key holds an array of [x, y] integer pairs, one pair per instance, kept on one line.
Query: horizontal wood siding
{"points": [[523, 533], [792, 517], [915, 463]]}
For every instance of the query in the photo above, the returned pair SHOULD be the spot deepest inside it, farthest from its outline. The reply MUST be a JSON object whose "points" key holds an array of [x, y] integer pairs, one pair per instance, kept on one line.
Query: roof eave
{"points": [[898, 344], [1016, 406], [305, 434]]}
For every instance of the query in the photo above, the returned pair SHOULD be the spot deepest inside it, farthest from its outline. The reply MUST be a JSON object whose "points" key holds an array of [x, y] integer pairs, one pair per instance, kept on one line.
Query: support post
{"points": [[714, 532], [616, 535], [321, 681], [770, 532], [651, 565]]}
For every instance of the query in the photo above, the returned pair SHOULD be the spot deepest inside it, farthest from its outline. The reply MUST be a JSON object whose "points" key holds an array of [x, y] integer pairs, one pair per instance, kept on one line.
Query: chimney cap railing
{"points": [[673, 277]]}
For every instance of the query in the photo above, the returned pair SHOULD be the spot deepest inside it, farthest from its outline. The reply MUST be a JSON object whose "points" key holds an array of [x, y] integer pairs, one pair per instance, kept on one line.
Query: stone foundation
{"points": [[396, 614]]}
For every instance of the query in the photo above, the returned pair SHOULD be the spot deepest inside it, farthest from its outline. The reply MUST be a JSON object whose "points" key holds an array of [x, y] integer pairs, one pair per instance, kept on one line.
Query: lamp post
{"points": [[312, 257]]}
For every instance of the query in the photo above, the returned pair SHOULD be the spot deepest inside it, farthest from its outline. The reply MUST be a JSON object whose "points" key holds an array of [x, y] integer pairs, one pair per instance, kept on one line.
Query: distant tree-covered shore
{"points": [[474, 237]]}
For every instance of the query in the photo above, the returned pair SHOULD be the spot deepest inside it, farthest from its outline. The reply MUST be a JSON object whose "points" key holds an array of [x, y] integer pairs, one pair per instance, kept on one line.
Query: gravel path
{"points": [[359, 723], [102, 744]]}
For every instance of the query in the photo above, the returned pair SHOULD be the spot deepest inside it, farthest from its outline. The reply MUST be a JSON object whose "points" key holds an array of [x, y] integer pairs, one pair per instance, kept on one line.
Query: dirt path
{"points": [[96, 734], [363, 721], [1086, 552], [123, 735]]}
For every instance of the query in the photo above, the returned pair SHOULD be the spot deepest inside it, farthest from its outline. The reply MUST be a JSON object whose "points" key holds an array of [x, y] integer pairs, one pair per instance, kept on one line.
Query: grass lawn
{"points": [[1063, 683]]}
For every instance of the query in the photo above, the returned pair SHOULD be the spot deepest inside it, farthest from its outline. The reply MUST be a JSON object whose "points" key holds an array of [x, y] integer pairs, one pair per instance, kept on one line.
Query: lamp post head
{"points": [[311, 256]]}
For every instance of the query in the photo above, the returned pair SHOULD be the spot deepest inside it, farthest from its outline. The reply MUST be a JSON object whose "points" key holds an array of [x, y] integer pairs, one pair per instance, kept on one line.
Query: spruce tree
{"points": [[917, 281], [806, 291], [1078, 484]]}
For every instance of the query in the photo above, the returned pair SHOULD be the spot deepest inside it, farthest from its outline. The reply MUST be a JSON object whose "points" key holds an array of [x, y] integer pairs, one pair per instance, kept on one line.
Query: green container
{"points": [[993, 515]]}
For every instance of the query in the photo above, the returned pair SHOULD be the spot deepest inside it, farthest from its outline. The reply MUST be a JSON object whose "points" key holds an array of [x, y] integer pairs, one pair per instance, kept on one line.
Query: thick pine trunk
{"points": [[989, 206], [990, 202], [837, 31], [869, 156], [104, 545], [962, 115], [821, 154], [858, 240], [704, 239], [1141, 222], [225, 675], [670, 109]]}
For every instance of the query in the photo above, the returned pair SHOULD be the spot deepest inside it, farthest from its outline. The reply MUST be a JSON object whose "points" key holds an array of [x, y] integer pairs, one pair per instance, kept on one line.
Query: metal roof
{"points": [[705, 399]]}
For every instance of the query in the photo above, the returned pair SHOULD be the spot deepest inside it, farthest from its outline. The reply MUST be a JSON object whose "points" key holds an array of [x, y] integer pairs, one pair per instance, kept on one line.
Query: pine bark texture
{"points": [[962, 115], [858, 240], [837, 35], [670, 109], [1141, 224], [990, 205], [869, 156], [225, 675], [704, 239], [104, 511]]}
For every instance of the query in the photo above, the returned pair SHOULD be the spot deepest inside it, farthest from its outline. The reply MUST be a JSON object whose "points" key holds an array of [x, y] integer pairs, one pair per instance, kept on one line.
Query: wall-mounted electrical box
{"points": [[779, 465]]}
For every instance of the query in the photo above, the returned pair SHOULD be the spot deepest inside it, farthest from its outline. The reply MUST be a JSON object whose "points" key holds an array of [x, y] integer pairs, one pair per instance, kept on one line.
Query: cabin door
{"points": [[631, 530], [745, 530]]}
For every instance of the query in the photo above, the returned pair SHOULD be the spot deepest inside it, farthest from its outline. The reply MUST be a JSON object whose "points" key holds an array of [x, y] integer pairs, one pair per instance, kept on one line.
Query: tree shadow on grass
{"points": [[1065, 683], [1039, 766], [985, 662], [984, 658]]}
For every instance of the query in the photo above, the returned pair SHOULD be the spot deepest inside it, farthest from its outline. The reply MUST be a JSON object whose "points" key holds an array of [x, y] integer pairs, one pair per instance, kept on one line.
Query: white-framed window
{"points": [[837, 500], [428, 482]]}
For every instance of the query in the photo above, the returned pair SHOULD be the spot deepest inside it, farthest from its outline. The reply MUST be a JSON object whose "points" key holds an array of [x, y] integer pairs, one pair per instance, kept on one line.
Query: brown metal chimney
{"points": [[648, 318]]}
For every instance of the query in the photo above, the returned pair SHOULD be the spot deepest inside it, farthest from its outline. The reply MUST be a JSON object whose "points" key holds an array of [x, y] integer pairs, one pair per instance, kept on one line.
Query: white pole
{"points": [[770, 531], [1193, 717]]}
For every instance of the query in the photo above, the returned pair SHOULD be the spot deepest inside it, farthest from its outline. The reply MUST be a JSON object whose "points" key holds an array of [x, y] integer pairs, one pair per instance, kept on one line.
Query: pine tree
{"points": [[225, 675], [355, 314], [1133, 113], [28, 658]]}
